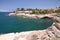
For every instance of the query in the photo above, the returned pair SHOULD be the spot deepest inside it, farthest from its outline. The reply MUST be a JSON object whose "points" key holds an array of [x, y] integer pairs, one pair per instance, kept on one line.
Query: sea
{"points": [[9, 24]]}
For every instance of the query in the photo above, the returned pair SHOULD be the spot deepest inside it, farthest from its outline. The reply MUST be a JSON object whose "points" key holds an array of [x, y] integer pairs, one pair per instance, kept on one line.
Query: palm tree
{"points": [[18, 9], [22, 9]]}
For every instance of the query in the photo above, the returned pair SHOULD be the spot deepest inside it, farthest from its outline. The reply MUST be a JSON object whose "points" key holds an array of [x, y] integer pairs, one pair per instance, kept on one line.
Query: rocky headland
{"points": [[31, 15]]}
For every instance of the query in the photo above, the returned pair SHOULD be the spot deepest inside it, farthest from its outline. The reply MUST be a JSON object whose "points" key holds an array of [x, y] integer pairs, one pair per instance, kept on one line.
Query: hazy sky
{"points": [[13, 4]]}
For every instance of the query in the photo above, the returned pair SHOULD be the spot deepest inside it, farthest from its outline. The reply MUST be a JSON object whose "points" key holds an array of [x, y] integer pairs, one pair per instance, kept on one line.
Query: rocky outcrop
{"points": [[36, 16], [11, 14], [51, 33], [30, 35]]}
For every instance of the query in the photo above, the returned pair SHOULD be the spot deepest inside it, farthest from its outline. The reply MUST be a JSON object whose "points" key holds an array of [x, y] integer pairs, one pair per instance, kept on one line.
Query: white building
{"points": [[26, 11]]}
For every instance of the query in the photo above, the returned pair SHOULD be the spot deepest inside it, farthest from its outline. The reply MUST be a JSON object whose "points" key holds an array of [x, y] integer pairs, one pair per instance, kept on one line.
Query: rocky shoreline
{"points": [[36, 16], [51, 33]]}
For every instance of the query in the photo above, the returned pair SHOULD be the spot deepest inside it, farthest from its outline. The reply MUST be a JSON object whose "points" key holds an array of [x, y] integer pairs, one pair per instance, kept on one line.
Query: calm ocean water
{"points": [[10, 24]]}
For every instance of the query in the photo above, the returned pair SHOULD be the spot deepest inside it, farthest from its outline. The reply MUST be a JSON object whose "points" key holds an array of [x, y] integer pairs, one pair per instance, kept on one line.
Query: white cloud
{"points": [[1, 10]]}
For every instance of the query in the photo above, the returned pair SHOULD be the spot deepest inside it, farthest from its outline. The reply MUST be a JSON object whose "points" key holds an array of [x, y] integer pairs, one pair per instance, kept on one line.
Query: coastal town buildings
{"points": [[25, 11], [38, 11]]}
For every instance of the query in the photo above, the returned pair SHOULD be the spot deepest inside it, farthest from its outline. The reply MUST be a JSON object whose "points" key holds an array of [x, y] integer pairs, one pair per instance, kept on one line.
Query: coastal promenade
{"points": [[51, 33]]}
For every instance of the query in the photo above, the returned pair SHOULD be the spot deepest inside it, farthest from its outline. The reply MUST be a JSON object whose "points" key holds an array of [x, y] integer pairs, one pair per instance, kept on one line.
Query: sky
{"points": [[11, 5]]}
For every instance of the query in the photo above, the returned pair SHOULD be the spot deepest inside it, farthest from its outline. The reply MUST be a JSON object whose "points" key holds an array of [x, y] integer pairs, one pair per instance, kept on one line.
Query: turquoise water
{"points": [[10, 24]]}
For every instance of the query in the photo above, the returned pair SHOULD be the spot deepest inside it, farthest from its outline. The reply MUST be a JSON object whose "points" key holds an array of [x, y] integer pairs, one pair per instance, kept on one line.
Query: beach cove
{"points": [[49, 33], [9, 24]]}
